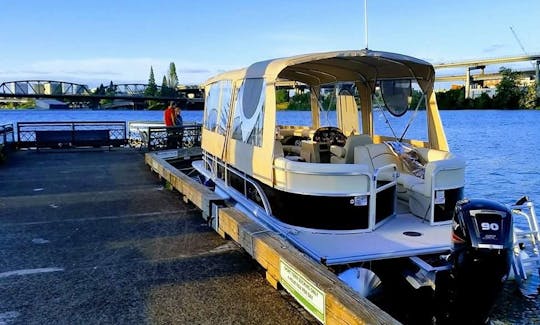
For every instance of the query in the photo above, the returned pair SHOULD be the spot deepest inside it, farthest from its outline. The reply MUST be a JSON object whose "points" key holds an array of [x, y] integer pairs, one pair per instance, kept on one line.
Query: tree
{"points": [[109, 91], [100, 90], [416, 97], [300, 102], [483, 101], [151, 89], [282, 96], [172, 77], [451, 99], [528, 97], [165, 90], [508, 92]]}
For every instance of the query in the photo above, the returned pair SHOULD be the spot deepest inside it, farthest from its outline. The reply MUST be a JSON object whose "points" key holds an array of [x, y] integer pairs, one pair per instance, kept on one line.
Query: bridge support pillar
{"points": [[468, 83], [537, 78]]}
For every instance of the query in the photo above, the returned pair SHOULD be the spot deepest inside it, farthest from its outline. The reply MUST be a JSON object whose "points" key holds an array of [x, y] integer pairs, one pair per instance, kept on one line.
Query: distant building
{"points": [[476, 92]]}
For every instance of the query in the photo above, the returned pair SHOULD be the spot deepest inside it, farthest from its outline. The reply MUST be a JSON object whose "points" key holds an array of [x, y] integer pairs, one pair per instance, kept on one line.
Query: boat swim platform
{"points": [[328, 298], [92, 237]]}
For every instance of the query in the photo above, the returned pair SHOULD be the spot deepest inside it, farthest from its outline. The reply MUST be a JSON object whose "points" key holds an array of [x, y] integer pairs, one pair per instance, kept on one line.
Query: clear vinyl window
{"points": [[249, 112]]}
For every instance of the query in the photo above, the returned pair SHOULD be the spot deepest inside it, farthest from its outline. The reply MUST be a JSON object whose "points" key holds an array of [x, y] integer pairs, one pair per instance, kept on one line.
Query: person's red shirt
{"points": [[168, 116]]}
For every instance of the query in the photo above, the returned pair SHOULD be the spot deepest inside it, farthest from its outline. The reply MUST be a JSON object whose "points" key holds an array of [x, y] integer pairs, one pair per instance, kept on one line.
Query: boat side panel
{"points": [[213, 142], [321, 179]]}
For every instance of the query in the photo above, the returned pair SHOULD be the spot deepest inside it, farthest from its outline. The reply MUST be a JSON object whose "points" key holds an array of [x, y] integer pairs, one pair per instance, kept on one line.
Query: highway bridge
{"points": [[481, 64]]}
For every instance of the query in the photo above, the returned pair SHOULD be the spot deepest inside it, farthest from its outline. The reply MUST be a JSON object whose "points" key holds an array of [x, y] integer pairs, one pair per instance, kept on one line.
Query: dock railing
{"points": [[71, 134], [153, 136], [7, 139]]}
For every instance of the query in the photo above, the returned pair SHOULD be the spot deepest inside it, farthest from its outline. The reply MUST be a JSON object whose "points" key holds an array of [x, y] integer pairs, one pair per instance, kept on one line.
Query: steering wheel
{"points": [[330, 134]]}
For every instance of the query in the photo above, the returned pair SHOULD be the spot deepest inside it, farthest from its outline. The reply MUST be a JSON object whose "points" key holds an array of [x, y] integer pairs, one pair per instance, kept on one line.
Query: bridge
{"points": [[481, 64], [81, 93]]}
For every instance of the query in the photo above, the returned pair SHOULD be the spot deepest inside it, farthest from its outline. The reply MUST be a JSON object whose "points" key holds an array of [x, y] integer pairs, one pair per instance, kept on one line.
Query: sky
{"points": [[99, 41]]}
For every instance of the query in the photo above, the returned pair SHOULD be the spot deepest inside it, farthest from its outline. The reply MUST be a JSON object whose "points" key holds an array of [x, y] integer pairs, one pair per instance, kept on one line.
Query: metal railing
{"points": [[6, 140], [58, 134], [6, 135], [155, 136]]}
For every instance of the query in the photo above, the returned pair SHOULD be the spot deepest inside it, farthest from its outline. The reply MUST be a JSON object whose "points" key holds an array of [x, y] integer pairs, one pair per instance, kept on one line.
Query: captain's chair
{"points": [[345, 154]]}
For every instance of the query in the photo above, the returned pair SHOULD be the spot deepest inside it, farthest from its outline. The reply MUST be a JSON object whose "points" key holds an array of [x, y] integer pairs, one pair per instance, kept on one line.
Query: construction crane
{"points": [[520, 44]]}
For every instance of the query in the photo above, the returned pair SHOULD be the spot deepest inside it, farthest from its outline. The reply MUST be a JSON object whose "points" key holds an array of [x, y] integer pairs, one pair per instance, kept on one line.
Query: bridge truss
{"points": [[78, 92]]}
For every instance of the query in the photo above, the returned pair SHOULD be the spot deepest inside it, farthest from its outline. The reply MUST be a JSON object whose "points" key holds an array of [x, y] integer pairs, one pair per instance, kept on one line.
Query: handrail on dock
{"points": [[6, 134], [84, 133], [6, 140], [156, 136]]}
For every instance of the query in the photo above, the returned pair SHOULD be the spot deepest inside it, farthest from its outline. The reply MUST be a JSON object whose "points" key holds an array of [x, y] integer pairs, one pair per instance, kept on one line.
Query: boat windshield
{"points": [[399, 110], [396, 95]]}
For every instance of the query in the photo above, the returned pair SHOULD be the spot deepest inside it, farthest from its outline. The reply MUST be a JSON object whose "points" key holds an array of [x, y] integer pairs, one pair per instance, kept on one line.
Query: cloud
{"points": [[493, 48]]}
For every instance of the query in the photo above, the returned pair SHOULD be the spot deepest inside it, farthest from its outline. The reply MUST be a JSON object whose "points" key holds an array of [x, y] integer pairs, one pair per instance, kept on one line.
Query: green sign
{"points": [[303, 290]]}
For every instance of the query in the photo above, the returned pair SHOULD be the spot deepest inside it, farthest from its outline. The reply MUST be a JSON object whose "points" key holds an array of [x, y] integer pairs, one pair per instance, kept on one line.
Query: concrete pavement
{"points": [[91, 237]]}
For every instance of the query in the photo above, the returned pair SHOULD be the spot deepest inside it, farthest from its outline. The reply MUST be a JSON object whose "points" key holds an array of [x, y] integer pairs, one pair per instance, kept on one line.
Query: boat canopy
{"points": [[364, 66]]}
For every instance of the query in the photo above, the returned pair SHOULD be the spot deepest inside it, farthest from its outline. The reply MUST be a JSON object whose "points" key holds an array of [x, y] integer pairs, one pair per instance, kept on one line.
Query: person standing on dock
{"points": [[169, 117], [179, 123]]}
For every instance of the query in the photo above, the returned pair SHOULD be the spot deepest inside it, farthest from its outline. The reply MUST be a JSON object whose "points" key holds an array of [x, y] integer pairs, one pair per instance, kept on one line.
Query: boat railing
{"points": [[223, 171], [526, 257]]}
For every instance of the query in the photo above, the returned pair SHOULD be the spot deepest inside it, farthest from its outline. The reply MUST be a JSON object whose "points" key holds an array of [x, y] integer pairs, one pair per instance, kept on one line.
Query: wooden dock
{"points": [[312, 284]]}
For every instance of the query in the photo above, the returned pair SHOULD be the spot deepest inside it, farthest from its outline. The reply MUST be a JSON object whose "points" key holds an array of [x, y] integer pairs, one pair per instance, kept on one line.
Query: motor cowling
{"points": [[482, 239], [481, 225]]}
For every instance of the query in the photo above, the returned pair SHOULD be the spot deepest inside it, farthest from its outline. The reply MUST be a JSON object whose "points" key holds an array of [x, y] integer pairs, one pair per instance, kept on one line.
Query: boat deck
{"points": [[388, 241]]}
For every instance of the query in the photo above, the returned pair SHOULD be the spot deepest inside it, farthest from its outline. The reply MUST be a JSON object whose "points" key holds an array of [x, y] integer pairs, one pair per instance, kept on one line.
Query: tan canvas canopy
{"points": [[363, 66]]}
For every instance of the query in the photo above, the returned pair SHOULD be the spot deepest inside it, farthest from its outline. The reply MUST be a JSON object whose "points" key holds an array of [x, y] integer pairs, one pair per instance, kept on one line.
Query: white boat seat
{"points": [[345, 154], [443, 171], [291, 150], [376, 156]]}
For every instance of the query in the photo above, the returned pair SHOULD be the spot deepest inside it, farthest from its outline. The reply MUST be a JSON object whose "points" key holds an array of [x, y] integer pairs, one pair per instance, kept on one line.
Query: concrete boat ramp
{"points": [[91, 236]]}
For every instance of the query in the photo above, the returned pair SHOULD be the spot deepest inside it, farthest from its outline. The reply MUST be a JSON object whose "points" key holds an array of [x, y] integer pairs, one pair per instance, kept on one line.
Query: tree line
{"points": [[509, 95]]}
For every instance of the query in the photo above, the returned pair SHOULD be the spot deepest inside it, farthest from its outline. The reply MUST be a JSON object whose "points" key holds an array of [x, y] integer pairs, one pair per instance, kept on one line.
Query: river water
{"points": [[501, 149]]}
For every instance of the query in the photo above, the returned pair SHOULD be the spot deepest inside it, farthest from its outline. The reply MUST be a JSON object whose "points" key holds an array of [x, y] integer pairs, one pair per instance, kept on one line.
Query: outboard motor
{"points": [[482, 237]]}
